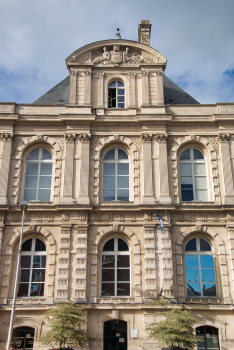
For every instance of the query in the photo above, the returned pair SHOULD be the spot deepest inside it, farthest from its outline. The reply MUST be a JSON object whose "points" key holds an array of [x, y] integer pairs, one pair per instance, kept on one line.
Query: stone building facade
{"points": [[97, 158]]}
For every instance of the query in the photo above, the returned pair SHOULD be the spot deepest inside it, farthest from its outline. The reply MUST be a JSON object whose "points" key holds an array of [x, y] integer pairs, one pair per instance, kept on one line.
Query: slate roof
{"points": [[59, 94]]}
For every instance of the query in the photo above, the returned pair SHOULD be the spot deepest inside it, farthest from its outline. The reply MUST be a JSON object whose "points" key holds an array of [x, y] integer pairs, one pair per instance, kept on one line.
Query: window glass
{"points": [[209, 338], [110, 154], [185, 154], [34, 154], [197, 154], [191, 245], [23, 337], [116, 95], [204, 245], [109, 246]]}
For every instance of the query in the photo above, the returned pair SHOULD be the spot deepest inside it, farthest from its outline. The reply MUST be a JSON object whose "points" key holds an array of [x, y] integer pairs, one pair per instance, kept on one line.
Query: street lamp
{"points": [[23, 208]]}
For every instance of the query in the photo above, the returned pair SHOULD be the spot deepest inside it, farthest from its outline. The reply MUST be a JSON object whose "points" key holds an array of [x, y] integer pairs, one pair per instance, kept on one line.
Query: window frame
{"points": [[116, 88], [123, 79], [116, 253]]}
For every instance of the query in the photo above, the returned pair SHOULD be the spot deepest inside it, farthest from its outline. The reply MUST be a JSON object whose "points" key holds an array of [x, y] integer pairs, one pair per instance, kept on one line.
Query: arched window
{"points": [[24, 337], [209, 338], [116, 95], [199, 265], [116, 175], [38, 175], [193, 178], [115, 268], [33, 268]]}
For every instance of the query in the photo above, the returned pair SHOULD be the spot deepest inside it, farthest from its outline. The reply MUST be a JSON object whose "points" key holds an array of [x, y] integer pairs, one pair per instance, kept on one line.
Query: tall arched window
{"points": [[116, 175], [38, 175], [115, 268], [199, 265], [116, 95], [209, 338], [193, 178], [33, 268]]}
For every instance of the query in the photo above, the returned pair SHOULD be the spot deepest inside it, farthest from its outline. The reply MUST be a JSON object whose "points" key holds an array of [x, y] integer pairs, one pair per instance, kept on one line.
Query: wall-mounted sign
{"points": [[134, 333], [121, 340]]}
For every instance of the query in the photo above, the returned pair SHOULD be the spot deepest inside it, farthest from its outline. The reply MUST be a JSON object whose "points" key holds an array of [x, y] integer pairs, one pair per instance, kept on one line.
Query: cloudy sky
{"points": [[196, 37]]}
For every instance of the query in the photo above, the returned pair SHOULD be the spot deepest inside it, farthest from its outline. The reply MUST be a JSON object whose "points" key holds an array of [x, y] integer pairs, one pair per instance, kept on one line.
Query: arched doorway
{"points": [[115, 335], [24, 337], [209, 338]]}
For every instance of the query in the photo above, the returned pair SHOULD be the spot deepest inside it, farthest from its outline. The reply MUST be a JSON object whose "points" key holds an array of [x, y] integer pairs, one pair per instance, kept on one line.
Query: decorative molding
{"points": [[100, 75], [146, 137], [224, 137], [70, 137], [145, 73], [7, 136], [161, 137], [73, 72], [85, 137], [87, 72]]}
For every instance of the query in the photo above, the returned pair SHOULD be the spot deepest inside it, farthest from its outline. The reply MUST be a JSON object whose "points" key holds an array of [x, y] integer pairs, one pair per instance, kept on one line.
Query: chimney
{"points": [[144, 30]]}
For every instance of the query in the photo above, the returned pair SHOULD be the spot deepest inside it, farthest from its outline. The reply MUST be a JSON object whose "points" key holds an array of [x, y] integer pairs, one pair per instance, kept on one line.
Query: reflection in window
{"points": [[116, 175], [116, 95], [24, 337], [209, 338], [115, 268], [38, 175], [33, 268], [193, 176], [199, 265]]}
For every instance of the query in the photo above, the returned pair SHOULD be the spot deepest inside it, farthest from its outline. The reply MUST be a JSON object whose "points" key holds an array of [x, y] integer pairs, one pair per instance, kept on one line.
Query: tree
{"points": [[176, 331], [65, 327]]}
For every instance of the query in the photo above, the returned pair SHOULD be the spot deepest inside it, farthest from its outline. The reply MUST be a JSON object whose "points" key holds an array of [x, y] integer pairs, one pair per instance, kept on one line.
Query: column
{"points": [[64, 263], [145, 88], [150, 262], [84, 170], [160, 93], [227, 169], [164, 196], [87, 87], [5, 166], [132, 90], [72, 96], [230, 228], [68, 169], [100, 94], [147, 197]]}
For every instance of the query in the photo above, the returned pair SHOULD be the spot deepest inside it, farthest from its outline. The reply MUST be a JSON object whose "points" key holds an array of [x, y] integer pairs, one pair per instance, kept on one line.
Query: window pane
{"points": [[201, 195], [186, 180], [197, 154], [46, 154], [30, 195], [108, 195], [32, 169], [122, 246], [38, 276], [185, 169], [200, 182], [185, 154], [207, 261], [109, 246], [108, 181], [34, 154], [19, 332], [192, 275], [29, 343], [121, 99], [45, 182], [208, 275], [123, 289], [31, 182], [40, 246], [123, 260], [108, 275], [120, 92], [187, 195], [108, 260], [123, 169], [113, 84], [123, 182], [123, 275], [191, 245], [123, 195], [209, 289], [191, 261], [39, 261], [120, 84], [110, 154], [44, 195], [24, 275], [193, 289], [121, 105], [199, 169], [46, 168], [37, 289], [23, 290], [109, 169], [27, 246], [204, 246], [25, 261], [108, 289], [122, 154]]}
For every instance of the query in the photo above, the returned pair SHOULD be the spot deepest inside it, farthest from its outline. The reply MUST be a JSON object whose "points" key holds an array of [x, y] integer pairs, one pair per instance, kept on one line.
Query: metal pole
{"points": [[16, 284]]}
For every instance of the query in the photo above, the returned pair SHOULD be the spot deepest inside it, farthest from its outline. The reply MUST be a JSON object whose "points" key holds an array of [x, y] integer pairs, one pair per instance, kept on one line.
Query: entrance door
{"points": [[115, 335], [24, 337], [209, 338]]}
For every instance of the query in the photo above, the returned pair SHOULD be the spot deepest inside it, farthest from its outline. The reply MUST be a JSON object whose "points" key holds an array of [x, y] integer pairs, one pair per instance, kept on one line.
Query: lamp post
{"points": [[23, 208]]}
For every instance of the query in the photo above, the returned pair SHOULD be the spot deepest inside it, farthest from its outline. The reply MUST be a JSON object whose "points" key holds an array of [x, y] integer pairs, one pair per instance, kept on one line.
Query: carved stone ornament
{"points": [[85, 137], [161, 137], [118, 57], [6, 136], [70, 137], [73, 72], [87, 72], [146, 137], [224, 137]]}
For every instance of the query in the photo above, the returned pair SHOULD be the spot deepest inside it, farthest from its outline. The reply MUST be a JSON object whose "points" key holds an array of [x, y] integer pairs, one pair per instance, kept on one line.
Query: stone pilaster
{"points": [[231, 249], [67, 195], [160, 93], [87, 87], [5, 165], [145, 88], [132, 90], [73, 83], [100, 94], [83, 197], [147, 197], [227, 169], [150, 262]]}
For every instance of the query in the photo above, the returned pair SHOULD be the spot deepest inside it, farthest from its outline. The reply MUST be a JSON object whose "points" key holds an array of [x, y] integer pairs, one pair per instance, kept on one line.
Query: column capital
{"points": [[161, 137], [224, 137], [132, 74], [146, 137], [73, 72], [85, 137], [145, 73], [70, 137], [7, 136], [87, 72], [100, 75]]}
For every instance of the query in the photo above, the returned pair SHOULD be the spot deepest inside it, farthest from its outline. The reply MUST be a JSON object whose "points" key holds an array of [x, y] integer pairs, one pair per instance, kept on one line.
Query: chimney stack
{"points": [[144, 30]]}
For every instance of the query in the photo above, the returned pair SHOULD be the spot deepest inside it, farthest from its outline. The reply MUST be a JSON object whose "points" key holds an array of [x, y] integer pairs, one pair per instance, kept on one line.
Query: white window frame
{"points": [[115, 252], [116, 88]]}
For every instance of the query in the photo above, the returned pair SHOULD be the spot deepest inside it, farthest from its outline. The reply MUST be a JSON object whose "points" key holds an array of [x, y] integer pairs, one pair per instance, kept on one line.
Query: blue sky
{"points": [[196, 37]]}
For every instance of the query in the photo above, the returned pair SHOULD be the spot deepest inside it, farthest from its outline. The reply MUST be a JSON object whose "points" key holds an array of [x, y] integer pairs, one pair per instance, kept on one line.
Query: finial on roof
{"points": [[117, 35]]}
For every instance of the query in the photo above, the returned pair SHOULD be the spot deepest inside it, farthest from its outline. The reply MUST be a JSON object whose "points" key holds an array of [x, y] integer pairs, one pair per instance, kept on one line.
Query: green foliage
{"points": [[176, 330], [65, 327]]}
